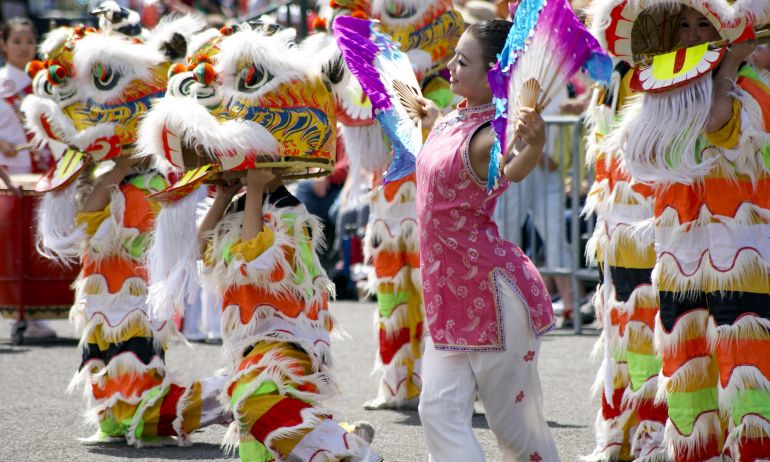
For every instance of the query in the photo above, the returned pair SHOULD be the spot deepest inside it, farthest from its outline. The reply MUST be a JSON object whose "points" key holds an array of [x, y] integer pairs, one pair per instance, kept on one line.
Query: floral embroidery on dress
{"points": [[464, 259]]}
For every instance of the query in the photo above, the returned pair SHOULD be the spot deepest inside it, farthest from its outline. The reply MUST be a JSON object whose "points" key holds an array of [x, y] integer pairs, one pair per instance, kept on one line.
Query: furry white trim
{"points": [[54, 40], [707, 427], [60, 122], [58, 237], [368, 145], [187, 26], [647, 392], [742, 378], [128, 61], [173, 121], [647, 442], [172, 261], [269, 324], [276, 54], [688, 325], [658, 139], [609, 435], [96, 373], [757, 10], [751, 426]]}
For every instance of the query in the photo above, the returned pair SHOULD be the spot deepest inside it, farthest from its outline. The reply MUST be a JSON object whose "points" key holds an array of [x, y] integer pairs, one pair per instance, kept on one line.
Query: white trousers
{"points": [[509, 387]]}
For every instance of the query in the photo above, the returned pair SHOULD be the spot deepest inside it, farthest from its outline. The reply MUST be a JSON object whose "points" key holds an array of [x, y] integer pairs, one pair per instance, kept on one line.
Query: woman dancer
{"points": [[485, 302]]}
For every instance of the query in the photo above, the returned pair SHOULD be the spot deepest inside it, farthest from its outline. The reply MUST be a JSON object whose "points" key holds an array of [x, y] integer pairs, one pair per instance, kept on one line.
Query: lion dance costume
{"points": [[630, 423], [89, 95], [711, 223], [248, 99]]}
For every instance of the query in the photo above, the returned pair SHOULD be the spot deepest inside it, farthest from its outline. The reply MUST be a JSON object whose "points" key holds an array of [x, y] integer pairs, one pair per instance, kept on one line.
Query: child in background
{"points": [[17, 46]]}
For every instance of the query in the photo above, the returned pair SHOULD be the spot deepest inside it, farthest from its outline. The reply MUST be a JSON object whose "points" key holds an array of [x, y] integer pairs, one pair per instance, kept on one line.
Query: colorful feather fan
{"points": [[546, 46], [387, 78]]}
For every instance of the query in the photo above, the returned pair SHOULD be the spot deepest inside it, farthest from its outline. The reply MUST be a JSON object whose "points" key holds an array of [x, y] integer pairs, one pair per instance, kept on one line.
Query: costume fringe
{"points": [[58, 238], [660, 118], [706, 427], [171, 261]]}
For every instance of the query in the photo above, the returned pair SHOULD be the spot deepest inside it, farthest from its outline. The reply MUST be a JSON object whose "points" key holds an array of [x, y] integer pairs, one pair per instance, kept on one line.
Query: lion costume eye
{"points": [[397, 10], [105, 78], [181, 85], [253, 78]]}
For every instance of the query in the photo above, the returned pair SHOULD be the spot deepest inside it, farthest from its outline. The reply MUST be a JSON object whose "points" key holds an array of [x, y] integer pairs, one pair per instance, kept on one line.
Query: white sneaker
{"points": [[38, 329]]}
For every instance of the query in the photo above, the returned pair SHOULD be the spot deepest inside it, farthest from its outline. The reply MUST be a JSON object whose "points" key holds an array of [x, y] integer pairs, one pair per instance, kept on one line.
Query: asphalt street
{"points": [[41, 422]]}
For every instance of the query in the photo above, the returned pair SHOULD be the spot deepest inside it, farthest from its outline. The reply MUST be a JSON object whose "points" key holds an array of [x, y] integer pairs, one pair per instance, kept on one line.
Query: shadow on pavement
{"points": [[42, 342], [412, 418], [198, 451], [553, 424], [7, 349]]}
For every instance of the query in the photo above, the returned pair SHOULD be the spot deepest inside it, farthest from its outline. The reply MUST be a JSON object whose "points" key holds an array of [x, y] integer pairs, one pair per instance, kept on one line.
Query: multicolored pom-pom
{"points": [[320, 24], [204, 73], [56, 74], [175, 69], [33, 67]]}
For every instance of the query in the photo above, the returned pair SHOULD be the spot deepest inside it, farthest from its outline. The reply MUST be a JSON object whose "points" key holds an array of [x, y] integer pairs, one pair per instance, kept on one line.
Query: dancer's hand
{"points": [[7, 149], [227, 189], [531, 128], [259, 177], [124, 164], [430, 113], [740, 52]]}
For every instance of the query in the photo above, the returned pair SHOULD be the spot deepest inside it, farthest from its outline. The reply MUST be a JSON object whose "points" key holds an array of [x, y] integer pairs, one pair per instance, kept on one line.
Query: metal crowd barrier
{"points": [[565, 145]]}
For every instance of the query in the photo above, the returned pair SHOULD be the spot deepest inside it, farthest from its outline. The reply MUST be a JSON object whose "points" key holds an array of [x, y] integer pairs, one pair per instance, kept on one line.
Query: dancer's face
{"points": [[695, 29], [468, 71]]}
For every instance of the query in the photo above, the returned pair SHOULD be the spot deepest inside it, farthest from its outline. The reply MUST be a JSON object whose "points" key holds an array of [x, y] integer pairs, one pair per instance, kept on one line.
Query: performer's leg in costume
{"points": [[392, 246], [129, 392], [276, 329], [689, 376], [742, 352]]}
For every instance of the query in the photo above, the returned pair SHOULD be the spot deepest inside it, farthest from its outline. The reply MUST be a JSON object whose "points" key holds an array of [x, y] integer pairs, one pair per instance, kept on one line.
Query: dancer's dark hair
{"points": [[491, 35]]}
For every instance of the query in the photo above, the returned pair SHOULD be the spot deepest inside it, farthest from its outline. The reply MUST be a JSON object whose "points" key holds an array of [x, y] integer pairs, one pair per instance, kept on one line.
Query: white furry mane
{"points": [[276, 54]]}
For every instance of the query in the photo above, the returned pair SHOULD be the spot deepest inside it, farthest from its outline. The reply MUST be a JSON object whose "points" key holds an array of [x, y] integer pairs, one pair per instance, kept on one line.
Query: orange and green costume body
{"points": [[630, 423], [130, 395], [276, 332], [712, 275], [391, 244]]}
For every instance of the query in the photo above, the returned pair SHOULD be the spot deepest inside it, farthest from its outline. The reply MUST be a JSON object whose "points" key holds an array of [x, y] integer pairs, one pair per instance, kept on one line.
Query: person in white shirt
{"points": [[17, 47]]}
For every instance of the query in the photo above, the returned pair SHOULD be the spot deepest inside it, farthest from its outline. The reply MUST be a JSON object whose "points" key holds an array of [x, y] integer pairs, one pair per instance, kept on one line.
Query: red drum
{"points": [[31, 286]]}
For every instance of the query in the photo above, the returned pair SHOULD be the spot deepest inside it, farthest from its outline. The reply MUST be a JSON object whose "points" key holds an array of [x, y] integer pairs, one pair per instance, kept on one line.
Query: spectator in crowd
{"points": [[17, 47]]}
